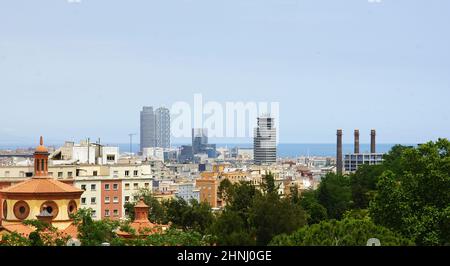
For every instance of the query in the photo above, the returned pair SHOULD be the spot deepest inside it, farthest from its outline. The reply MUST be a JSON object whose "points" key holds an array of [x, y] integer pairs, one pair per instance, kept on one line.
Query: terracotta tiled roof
{"points": [[19, 228], [41, 185], [71, 230]]}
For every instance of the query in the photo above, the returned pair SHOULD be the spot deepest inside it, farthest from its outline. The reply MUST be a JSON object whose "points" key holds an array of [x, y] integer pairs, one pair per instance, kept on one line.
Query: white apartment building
{"points": [[91, 198]]}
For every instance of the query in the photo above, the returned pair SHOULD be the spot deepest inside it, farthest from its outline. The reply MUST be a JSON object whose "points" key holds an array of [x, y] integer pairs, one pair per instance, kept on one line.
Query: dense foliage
{"points": [[347, 232]]}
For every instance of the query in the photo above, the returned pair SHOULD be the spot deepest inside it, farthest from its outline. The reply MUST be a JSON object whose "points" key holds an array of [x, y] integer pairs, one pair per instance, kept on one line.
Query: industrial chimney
{"points": [[339, 164], [356, 141], [372, 141]]}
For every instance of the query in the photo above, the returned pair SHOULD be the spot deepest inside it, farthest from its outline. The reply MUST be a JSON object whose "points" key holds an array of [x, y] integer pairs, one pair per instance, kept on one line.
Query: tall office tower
{"points": [[339, 161], [147, 128], [162, 127], [265, 141]]}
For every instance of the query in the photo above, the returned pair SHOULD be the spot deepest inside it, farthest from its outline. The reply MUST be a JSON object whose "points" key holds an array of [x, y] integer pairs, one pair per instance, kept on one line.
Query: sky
{"points": [[74, 70]]}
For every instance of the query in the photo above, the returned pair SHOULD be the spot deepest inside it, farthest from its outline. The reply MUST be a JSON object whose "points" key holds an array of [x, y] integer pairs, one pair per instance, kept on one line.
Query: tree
{"points": [[348, 232], [363, 184], [94, 233], [315, 212], [229, 229], [157, 212], [413, 196], [334, 193], [271, 216], [189, 216], [14, 239]]}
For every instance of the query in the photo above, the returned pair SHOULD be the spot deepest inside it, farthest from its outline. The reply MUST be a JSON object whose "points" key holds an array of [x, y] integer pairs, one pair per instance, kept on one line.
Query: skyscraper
{"points": [[148, 136], [264, 142], [162, 127]]}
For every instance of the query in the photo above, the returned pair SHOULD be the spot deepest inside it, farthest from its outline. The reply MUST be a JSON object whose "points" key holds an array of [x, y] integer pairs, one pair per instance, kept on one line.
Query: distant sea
{"points": [[284, 150], [293, 150]]}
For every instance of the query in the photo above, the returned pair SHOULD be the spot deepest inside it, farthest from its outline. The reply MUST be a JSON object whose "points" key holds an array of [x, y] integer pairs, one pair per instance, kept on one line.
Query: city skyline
{"points": [[329, 66]]}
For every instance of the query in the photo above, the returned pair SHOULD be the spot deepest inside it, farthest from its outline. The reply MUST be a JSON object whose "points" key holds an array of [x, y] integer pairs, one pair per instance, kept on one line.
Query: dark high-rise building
{"points": [[265, 141], [200, 143], [186, 154], [199, 138], [147, 133]]}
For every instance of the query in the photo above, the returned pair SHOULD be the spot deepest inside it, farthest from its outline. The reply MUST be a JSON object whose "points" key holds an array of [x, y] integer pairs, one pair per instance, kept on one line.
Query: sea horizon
{"points": [[284, 150]]}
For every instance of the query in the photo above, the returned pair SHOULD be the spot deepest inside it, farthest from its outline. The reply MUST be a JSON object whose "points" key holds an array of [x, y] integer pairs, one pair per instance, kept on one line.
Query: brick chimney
{"points": [[373, 141], [356, 141], [339, 162]]}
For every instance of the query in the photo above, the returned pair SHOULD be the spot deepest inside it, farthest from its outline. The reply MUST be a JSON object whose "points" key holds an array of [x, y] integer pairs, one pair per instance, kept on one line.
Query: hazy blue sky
{"points": [[69, 71]]}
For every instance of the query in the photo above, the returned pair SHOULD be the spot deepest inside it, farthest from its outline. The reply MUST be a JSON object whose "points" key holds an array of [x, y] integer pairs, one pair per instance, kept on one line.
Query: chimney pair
{"points": [[339, 157], [372, 141]]}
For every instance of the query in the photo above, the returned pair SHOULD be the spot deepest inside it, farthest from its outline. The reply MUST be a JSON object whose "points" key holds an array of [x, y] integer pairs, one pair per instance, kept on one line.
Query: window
{"points": [[135, 185], [135, 172], [106, 213], [116, 213], [83, 187], [106, 186], [116, 200], [83, 201], [127, 173], [93, 200], [147, 185], [106, 199], [115, 186], [94, 173], [127, 198], [69, 174], [60, 174], [110, 157], [127, 186], [135, 198], [93, 187], [94, 214]]}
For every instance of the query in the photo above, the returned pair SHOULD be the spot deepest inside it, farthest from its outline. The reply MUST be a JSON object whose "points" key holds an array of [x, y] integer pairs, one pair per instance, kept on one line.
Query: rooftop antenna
{"points": [[131, 142]]}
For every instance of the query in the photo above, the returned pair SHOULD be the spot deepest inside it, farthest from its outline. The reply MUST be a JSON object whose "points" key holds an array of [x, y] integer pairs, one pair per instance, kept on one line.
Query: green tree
{"points": [[229, 229], [157, 213], [334, 193], [94, 233], [363, 184], [315, 212], [348, 232], [413, 196], [189, 216], [271, 216]]}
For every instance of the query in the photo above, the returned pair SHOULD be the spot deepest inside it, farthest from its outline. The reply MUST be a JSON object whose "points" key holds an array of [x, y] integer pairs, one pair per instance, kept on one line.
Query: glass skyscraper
{"points": [[265, 141]]}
